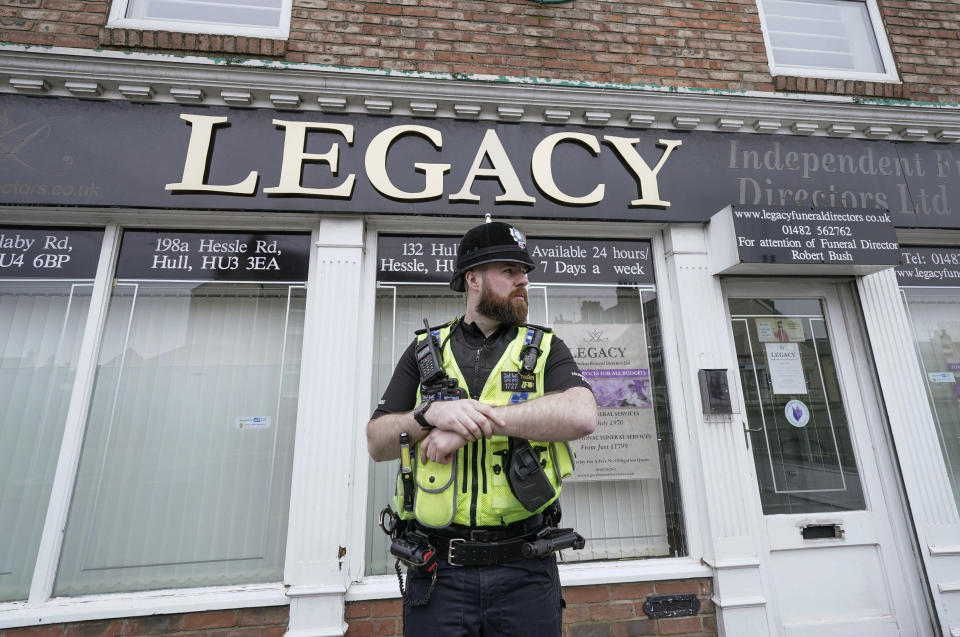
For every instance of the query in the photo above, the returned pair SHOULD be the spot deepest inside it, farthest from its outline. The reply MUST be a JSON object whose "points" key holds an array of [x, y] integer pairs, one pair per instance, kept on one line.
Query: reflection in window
{"points": [[41, 325], [184, 476], [935, 321], [625, 510], [801, 441]]}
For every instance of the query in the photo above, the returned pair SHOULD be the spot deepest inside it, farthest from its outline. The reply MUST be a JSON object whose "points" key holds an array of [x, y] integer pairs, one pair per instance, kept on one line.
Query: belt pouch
{"points": [[435, 503]]}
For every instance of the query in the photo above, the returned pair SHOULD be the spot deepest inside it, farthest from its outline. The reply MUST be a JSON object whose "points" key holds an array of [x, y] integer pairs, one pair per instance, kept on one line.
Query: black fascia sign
{"points": [[49, 253], [929, 266], [803, 241], [417, 259], [91, 154], [214, 256]]}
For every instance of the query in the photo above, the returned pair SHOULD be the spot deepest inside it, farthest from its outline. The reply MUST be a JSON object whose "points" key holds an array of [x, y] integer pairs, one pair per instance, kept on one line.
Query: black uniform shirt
{"points": [[476, 356]]}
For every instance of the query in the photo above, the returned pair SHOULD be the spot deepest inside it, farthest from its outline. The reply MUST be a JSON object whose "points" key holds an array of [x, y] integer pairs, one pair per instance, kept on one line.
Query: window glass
{"points": [[267, 18], [935, 321], [42, 317], [799, 432], [40, 328], [624, 497], [822, 35], [184, 476]]}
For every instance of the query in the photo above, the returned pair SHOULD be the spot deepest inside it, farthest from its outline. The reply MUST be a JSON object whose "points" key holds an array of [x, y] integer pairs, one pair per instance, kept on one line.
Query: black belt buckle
{"points": [[453, 542]]}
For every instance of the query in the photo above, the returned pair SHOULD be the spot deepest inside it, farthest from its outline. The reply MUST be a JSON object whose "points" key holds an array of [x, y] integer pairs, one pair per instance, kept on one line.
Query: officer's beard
{"points": [[510, 310]]}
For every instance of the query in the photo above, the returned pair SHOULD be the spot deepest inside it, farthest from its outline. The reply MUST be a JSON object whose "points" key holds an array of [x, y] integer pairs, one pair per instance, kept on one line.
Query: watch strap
{"points": [[419, 414]]}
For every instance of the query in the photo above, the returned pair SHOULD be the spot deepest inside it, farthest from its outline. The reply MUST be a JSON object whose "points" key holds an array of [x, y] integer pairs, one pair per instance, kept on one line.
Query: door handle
{"points": [[747, 431]]}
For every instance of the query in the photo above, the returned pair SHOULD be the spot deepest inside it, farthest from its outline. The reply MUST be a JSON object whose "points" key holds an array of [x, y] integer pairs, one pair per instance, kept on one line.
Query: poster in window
{"points": [[613, 359], [779, 329], [948, 335], [785, 368]]}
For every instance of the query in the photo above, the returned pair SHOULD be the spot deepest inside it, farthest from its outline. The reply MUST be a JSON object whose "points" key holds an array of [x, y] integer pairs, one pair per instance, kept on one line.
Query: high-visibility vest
{"points": [[472, 489]]}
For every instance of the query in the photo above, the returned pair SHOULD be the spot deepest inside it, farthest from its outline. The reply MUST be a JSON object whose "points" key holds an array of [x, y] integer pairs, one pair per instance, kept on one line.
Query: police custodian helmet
{"points": [[486, 243]]}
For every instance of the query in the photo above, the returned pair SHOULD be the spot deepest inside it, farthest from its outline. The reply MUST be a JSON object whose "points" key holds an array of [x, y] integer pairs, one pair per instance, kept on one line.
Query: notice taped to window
{"points": [[785, 368], [613, 359]]}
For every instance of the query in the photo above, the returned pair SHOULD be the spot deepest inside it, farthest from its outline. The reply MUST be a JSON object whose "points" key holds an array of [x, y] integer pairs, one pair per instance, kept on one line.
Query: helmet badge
{"points": [[518, 237]]}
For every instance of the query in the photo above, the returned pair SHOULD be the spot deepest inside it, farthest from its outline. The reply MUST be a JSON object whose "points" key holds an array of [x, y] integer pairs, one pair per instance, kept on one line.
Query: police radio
{"points": [[428, 359]]}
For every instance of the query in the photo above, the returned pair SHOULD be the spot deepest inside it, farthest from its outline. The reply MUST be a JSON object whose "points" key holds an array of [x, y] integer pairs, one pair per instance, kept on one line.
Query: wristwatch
{"points": [[419, 414]]}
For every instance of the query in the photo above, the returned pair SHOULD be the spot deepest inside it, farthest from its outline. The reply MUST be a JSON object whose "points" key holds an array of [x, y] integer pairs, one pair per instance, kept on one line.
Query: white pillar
{"points": [[914, 431], [317, 569], [725, 484]]}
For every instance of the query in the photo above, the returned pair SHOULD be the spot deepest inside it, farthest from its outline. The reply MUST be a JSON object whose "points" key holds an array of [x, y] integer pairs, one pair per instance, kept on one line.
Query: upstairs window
{"points": [[832, 39], [251, 18]]}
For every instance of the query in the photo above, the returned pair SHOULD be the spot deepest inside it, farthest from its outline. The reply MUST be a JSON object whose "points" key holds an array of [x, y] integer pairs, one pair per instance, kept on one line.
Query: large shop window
{"points": [[46, 276], [600, 298], [184, 475], [930, 283]]}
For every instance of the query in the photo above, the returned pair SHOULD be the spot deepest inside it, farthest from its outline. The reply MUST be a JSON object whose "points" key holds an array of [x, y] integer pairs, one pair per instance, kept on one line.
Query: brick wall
{"points": [[690, 43], [609, 610], [270, 621], [924, 38]]}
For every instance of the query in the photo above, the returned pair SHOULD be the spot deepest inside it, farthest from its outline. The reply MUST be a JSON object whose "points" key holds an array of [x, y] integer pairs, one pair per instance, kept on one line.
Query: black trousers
{"points": [[518, 599]]}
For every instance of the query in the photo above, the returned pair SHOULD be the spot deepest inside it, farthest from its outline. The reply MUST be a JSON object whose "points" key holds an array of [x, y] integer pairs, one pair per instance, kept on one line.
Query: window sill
{"points": [[92, 607], [192, 42], [575, 574], [795, 84]]}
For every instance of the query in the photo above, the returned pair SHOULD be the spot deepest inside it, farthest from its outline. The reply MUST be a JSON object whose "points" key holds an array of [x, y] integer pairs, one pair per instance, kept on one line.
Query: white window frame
{"points": [[118, 20], [41, 608], [368, 587], [883, 44]]}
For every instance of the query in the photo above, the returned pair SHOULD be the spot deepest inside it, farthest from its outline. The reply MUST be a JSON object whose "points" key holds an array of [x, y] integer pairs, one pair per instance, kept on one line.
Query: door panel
{"points": [[832, 562], [801, 443]]}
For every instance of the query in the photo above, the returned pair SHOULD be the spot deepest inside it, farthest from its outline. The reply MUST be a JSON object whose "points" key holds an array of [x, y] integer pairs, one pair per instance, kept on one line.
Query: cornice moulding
{"points": [[163, 79]]}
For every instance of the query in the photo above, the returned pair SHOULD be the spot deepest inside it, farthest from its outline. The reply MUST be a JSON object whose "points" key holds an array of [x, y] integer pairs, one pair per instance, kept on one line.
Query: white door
{"points": [[839, 557]]}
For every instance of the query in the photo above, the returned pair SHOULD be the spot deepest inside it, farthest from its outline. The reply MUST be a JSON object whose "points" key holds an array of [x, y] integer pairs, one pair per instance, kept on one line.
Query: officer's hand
{"points": [[468, 418], [440, 446]]}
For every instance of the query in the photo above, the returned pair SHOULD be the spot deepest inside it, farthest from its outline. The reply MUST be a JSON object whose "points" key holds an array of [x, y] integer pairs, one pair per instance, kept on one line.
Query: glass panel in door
{"points": [[794, 407]]}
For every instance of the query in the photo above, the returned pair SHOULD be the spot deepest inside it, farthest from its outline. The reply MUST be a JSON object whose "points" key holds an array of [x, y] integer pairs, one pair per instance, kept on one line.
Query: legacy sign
{"points": [[490, 152], [68, 152]]}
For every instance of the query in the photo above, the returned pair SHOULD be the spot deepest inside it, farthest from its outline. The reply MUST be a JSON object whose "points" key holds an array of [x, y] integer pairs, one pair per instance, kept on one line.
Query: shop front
{"points": [[203, 305]]}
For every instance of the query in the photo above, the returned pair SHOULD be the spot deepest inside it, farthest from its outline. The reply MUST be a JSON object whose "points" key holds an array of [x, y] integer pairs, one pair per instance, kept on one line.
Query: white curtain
{"points": [[935, 321], [41, 324], [822, 34], [184, 477]]}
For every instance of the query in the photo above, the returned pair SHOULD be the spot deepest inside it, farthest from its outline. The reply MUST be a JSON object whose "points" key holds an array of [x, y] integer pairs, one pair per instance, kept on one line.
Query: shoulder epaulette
{"points": [[538, 327], [434, 328]]}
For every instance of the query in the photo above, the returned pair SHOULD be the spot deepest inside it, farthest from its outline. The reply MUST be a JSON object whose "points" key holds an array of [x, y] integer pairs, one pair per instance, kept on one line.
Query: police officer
{"points": [[466, 503]]}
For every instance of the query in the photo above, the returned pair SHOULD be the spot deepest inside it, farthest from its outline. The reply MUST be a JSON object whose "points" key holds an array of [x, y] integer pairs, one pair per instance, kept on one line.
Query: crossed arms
{"points": [[565, 415]]}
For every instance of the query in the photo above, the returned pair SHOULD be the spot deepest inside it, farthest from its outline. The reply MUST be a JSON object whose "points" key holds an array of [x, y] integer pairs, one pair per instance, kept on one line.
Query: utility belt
{"points": [[421, 548], [540, 544]]}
